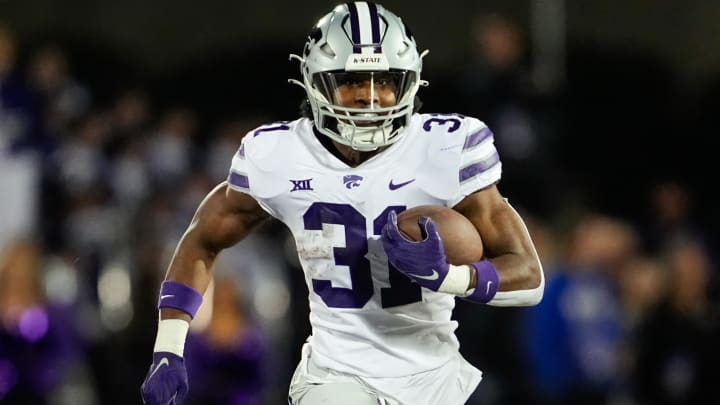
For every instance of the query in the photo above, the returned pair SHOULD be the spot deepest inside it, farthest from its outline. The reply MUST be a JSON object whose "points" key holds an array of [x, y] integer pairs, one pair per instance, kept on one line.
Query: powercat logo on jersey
{"points": [[352, 180], [301, 185]]}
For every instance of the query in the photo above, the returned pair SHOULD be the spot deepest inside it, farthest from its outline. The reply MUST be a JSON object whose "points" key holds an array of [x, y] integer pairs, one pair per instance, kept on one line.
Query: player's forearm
{"points": [[512, 263], [192, 263], [191, 266], [520, 280], [485, 278], [181, 292], [510, 248], [197, 277], [519, 296], [517, 272]]}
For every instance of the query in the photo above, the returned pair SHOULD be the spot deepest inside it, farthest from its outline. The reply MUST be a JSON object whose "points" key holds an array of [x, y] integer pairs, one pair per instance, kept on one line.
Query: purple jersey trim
{"points": [[239, 180], [477, 137], [474, 169]]}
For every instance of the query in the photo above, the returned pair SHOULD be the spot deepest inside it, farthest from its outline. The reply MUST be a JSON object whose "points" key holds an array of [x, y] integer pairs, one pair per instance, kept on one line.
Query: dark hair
{"points": [[305, 109]]}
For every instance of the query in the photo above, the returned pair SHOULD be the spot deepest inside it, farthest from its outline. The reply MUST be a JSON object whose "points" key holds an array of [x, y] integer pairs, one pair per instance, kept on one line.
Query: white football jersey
{"points": [[367, 318]]}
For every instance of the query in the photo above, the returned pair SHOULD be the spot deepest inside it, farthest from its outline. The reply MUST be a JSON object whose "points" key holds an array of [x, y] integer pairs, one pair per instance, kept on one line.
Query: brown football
{"points": [[461, 240]]}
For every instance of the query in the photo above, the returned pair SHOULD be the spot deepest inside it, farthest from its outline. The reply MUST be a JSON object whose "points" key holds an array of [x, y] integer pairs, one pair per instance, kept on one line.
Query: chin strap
{"points": [[366, 137]]}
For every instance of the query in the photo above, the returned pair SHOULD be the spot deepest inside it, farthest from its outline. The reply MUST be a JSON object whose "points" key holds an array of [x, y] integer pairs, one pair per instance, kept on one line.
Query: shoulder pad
{"points": [[451, 133], [266, 145], [450, 136], [264, 153], [448, 124]]}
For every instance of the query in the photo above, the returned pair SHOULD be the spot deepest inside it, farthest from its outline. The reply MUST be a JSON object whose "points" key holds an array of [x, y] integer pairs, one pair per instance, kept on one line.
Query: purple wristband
{"points": [[179, 296], [487, 282]]}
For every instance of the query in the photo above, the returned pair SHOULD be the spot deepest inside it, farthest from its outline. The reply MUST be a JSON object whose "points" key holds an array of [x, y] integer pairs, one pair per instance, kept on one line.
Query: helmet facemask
{"points": [[384, 110], [361, 44]]}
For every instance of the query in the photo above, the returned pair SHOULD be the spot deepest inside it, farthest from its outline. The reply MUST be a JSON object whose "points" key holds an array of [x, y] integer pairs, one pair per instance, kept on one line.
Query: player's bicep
{"points": [[494, 219], [225, 217]]}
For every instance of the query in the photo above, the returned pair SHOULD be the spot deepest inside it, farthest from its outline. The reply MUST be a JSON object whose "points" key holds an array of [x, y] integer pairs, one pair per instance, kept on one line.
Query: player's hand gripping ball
{"points": [[461, 242], [421, 249]]}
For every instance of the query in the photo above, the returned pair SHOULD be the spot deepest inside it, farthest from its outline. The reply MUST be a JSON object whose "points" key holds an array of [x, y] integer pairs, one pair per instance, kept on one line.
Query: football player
{"points": [[380, 305]]}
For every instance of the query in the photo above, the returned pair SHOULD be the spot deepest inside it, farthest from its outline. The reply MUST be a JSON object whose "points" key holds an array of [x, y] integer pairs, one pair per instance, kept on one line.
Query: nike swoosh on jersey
{"points": [[392, 186], [433, 276]]}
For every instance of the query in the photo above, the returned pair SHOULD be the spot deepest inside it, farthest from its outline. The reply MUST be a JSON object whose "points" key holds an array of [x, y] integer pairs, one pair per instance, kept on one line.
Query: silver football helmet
{"points": [[361, 42]]}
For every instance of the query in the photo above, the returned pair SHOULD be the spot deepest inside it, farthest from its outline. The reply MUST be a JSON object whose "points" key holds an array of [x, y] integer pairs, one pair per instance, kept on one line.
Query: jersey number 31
{"points": [[354, 255]]}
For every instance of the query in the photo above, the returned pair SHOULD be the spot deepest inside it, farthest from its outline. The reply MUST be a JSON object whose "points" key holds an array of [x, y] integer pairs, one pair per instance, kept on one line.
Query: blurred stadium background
{"points": [[117, 117]]}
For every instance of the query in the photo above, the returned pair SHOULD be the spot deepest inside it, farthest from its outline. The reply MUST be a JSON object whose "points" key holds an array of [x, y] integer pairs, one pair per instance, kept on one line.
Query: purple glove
{"points": [[424, 262], [166, 382]]}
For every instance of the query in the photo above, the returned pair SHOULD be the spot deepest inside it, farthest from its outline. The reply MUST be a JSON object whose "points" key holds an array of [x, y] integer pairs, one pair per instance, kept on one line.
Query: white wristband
{"points": [[171, 336], [457, 280]]}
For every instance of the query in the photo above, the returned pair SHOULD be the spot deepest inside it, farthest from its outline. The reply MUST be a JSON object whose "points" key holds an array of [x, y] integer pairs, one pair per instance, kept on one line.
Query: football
{"points": [[461, 240]]}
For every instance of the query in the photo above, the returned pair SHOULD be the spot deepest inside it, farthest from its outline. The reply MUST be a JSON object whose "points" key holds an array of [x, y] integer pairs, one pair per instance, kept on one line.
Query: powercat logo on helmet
{"points": [[366, 62]]}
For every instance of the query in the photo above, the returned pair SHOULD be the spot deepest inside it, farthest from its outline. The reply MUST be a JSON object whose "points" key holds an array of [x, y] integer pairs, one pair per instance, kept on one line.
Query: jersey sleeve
{"points": [[259, 160], [256, 166], [238, 178], [480, 164]]}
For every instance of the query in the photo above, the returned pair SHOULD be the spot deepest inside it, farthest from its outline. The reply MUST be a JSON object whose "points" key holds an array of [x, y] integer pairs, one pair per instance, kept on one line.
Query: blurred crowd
{"points": [[95, 196]]}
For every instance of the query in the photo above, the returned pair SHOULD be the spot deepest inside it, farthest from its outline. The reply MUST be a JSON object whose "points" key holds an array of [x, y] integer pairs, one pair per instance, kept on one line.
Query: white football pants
{"points": [[450, 384]]}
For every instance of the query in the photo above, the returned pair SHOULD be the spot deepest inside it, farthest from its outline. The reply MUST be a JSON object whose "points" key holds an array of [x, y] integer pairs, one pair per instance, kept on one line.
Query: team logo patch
{"points": [[352, 180], [300, 185]]}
